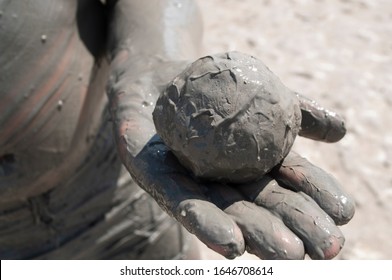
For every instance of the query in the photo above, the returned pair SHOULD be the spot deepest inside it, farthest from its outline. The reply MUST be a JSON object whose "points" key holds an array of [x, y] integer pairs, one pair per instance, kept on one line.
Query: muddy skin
{"points": [[64, 191], [186, 199], [259, 224], [319, 123], [228, 118], [271, 221], [298, 174], [52, 98], [318, 232]]}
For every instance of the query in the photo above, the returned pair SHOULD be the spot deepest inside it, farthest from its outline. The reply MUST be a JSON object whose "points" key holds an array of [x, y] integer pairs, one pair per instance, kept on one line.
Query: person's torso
{"points": [[58, 164], [51, 90]]}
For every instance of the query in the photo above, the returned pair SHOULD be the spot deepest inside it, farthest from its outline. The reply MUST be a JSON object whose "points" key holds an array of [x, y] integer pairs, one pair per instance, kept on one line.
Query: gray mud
{"points": [[228, 118]]}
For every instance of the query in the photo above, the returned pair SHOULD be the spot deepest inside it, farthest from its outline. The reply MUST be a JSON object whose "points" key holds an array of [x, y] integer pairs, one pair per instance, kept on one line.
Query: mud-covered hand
{"points": [[293, 211]]}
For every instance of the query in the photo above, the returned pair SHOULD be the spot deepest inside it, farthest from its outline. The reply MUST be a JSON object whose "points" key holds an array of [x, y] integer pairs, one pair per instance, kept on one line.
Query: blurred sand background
{"points": [[338, 52]]}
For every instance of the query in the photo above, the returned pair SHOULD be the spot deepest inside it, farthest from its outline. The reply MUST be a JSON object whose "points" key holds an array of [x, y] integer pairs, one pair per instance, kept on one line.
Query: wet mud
{"points": [[228, 118]]}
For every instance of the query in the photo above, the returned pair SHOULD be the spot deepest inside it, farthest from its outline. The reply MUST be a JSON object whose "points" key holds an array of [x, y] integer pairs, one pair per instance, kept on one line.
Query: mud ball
{"points": [[228, 118]]}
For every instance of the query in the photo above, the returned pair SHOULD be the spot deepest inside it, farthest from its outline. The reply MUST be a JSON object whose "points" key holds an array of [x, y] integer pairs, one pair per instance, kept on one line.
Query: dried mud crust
{"points": [[228, 118]]}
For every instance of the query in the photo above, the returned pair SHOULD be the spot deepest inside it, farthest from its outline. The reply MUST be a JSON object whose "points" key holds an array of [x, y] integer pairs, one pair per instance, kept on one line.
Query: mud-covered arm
{"points": [[168, 29], [149, 44]]}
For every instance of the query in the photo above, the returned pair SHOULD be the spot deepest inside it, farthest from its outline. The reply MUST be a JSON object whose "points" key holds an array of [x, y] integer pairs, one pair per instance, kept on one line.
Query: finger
{"points": [[321, 237], [265, 234], [319, 123], [299, 174], [212, 226], [183, 198]]}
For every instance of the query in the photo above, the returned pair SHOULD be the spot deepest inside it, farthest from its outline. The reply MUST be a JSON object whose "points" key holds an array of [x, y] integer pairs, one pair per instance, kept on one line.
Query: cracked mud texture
{"points": [[339, 53], [228, 118]]}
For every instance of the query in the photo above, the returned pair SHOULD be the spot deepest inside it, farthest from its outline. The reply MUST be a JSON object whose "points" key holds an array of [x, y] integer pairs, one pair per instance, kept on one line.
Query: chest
{"points": [[45, 71]]}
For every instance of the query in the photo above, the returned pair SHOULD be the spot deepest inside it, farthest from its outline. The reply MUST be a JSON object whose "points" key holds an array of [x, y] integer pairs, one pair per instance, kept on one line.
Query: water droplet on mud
{"points": [[29, 92], [43, 38], [144, 104], [60, 105]]}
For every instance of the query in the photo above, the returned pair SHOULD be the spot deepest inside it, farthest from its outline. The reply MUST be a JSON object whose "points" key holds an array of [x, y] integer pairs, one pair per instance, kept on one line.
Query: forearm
{"points": [[167, 29], [149, 42]]}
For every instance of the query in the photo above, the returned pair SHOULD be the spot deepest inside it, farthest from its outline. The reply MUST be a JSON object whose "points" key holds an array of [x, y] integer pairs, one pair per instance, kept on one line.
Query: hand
{"points": [[293, 211]]}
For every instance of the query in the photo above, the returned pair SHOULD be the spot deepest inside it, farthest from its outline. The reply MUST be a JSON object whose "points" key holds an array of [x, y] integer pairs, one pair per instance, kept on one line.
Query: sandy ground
{"points": [[340, 54]]}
